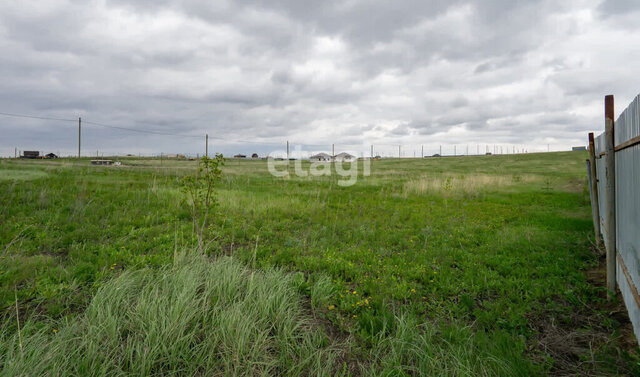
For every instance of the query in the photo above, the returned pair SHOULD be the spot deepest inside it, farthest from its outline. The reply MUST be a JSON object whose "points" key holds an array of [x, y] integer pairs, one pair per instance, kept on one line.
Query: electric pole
{"points": [[79, 134], [206, 145], [287, 150]]}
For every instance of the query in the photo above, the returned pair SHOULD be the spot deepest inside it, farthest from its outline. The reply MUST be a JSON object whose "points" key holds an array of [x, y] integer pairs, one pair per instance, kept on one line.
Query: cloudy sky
{"points": [[253, 74]]}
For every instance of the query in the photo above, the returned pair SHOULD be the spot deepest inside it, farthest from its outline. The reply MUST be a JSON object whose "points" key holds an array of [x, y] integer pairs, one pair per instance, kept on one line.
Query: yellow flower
{"points": [[355, 293], [331, 307], [413, 290], [55, 330]]}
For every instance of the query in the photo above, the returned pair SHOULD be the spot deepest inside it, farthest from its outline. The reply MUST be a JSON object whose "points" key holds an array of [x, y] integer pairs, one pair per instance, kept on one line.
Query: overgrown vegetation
{"points": [[195, 318], [440, 266]]}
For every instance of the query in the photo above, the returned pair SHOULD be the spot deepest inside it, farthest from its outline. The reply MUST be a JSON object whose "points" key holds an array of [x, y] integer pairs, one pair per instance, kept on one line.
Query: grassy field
{"points": [[442, 266]]}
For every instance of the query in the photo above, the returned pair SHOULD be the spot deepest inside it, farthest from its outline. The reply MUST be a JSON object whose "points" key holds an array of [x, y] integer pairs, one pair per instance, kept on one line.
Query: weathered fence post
{"points": [[610, 193], [595, 203]]}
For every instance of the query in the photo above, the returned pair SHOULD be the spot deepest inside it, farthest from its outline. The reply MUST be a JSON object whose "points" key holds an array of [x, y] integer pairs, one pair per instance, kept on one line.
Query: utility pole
{"points": [[399, 153], [206, 147], [422, 153], [287, 150], [371, 150], [467, 149], [477, 149], [79, 134], [333, 150], [441, 150], [15, 153], [454, 151]]}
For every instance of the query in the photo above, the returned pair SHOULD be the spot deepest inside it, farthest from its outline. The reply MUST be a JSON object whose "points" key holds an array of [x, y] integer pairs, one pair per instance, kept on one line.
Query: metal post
{"points": [[206, 148], [333, 150], [611, 194], [287, 150], [399, 153], [79, 134], [595, 204]]}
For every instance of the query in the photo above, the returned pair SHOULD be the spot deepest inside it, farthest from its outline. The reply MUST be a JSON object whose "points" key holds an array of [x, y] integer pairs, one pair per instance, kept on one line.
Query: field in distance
{"points": [[441, 266]]}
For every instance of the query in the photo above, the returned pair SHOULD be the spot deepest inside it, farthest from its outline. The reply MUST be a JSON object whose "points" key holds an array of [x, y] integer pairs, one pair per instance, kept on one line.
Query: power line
{"points": [[142, 131], [37, 117]]}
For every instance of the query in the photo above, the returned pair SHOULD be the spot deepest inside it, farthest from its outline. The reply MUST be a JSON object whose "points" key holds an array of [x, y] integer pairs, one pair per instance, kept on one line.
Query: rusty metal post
{"points": [[595, 203], [611, 194]]}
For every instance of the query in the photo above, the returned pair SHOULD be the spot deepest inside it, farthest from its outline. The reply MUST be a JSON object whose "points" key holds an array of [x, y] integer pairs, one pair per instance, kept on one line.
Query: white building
{"points": [[320, 157], [344, 157]]}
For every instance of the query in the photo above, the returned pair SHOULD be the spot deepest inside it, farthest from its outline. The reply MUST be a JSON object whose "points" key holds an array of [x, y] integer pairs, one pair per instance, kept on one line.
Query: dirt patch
{"points": [[581, 340]]}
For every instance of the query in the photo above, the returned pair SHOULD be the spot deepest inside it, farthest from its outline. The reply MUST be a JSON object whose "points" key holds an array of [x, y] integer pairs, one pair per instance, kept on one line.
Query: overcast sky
{"points": [[354, 73]]}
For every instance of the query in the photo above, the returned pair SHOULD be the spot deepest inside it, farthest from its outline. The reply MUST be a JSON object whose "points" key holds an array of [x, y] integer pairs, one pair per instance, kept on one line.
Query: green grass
{"points": [[193, 318], [431, 267]]}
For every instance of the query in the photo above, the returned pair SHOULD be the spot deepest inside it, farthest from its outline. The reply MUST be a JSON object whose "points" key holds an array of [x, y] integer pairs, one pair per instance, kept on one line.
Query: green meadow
{"points": [[456, 266]]}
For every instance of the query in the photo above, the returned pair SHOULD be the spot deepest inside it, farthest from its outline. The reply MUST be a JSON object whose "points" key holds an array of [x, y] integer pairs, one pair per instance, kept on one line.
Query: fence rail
{"points": [[616, 153]]}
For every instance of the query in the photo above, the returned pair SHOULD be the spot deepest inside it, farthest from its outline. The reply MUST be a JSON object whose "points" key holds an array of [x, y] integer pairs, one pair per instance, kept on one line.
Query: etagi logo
{"points": [[345, 164]]}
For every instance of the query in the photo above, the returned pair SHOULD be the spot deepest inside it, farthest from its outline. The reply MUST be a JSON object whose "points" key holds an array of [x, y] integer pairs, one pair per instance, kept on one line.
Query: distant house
{"points": [[320, 157], [240, 156], [30, 154], [344, 157], [579, 148], [255, 155], [51, 155]]}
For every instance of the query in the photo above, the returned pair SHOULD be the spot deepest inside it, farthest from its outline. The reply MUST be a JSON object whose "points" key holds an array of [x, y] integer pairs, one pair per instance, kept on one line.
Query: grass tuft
{"points": [[196, 317]]}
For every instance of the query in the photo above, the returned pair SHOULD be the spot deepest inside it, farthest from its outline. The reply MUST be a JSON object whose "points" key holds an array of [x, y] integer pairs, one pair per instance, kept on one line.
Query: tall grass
{"points": [[197, 317]]}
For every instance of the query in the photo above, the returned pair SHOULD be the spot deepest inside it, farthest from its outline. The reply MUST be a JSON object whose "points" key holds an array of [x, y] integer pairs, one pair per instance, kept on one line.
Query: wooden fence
{"points": [[614, 175]]}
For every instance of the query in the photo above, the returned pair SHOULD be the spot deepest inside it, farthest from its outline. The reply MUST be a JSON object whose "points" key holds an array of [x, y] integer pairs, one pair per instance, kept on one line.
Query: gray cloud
{"points": [[355, 72]]}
